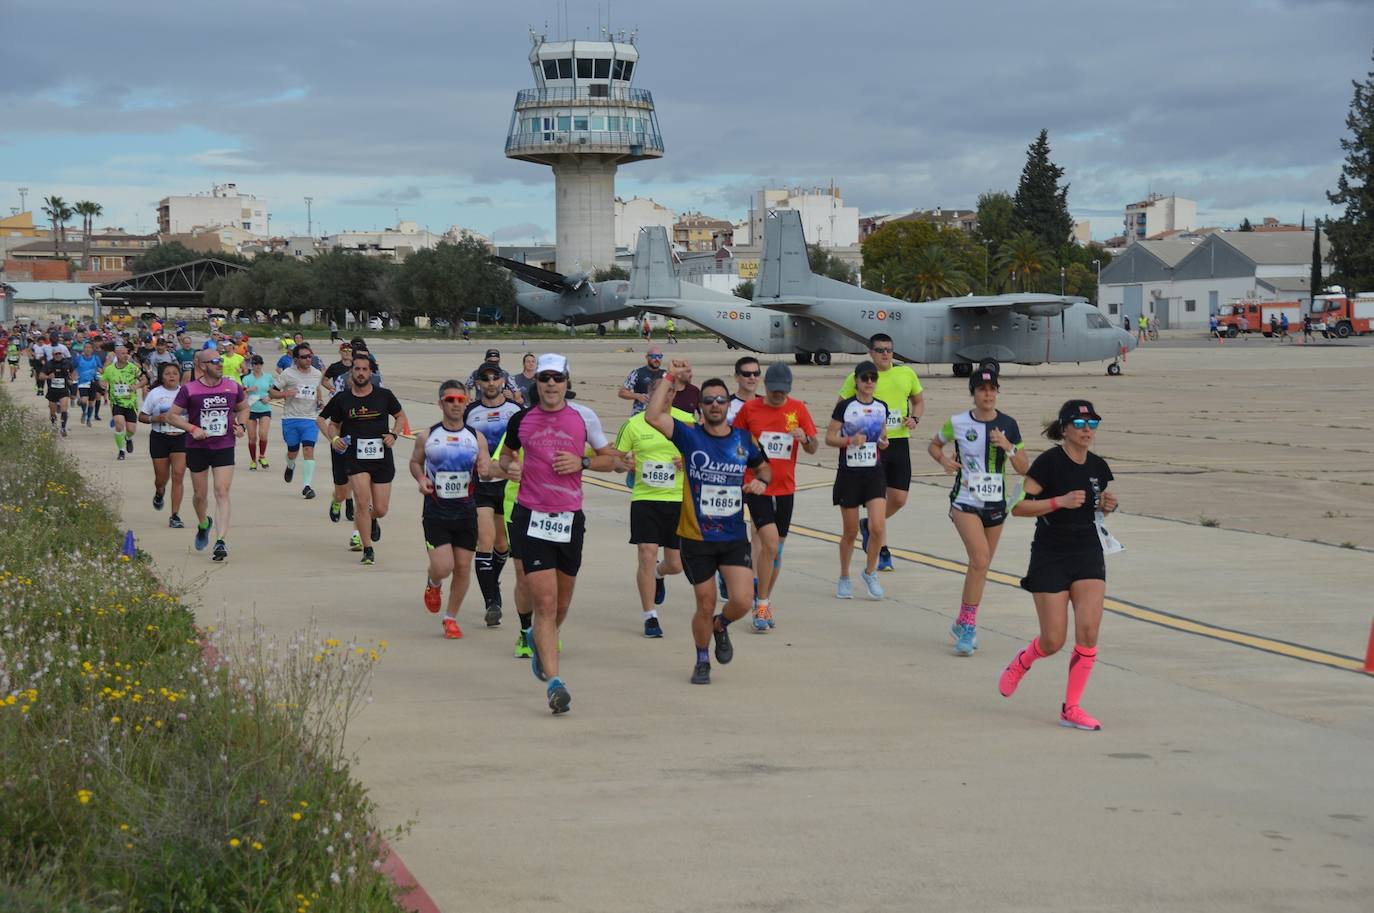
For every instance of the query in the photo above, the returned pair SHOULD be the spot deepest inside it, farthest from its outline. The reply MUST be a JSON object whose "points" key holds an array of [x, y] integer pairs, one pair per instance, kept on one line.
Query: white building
{"points": [[1183, 281], [222, 207], [639, 212], [1156, 213], [825, 219], [393, 244]]}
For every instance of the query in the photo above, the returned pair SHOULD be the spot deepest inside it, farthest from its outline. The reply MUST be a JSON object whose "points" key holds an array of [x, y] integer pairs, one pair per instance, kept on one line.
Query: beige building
{"points": [[1158, 213], [223, 207], [636, 213]]}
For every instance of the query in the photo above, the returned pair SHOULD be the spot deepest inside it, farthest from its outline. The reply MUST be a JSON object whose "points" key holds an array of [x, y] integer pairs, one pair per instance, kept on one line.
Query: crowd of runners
{"points": [[711, 471]]}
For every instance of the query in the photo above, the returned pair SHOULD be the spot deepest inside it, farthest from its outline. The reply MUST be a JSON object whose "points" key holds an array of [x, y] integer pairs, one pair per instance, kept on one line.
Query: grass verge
{"points": [[139, 770]]}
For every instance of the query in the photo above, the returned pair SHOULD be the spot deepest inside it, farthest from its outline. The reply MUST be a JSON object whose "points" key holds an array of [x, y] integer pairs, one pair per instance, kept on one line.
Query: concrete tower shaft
{"points": [[584, 119]]}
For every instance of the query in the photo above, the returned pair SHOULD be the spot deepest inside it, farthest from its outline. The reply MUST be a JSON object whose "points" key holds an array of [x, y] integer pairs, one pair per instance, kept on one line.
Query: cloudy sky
{"points": [[401, 109]]}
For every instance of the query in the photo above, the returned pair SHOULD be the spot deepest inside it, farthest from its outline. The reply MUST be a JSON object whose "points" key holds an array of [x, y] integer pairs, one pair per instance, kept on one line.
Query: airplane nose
{"points": [[1128, 340]]}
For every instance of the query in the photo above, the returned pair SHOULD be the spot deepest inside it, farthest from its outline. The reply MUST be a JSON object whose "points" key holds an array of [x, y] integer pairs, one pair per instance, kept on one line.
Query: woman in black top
{"points": [[1065, 487]]}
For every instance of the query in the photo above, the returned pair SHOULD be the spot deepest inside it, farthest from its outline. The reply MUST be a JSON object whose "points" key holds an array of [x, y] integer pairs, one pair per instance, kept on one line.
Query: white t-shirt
{"points": [[156, 403], [303, 404]]}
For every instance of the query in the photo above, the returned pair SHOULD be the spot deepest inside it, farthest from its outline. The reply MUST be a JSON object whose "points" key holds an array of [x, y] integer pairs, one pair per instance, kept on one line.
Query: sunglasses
{"points": [[551, 378], [714, 400], [1081, 423], [214, 361], [455, 398], [870, 378], [654, 357], [748, 373], [306, 355], [885, 350]]}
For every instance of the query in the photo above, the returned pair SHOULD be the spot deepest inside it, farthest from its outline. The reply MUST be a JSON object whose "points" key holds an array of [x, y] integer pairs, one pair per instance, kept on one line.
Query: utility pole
{"points": [[23, 197], [309, 221]]}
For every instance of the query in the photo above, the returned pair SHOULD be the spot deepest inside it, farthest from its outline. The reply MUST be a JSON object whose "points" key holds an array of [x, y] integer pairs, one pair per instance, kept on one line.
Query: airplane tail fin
{"points": [[653, 275], [785, 269]]}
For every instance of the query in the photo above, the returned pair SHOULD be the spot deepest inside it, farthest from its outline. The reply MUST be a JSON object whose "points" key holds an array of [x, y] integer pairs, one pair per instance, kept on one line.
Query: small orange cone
{"points": [[1369, 654]]}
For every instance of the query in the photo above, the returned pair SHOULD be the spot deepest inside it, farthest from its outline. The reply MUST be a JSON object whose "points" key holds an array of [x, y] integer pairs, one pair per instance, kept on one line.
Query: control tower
{"points": [[584, 119]]}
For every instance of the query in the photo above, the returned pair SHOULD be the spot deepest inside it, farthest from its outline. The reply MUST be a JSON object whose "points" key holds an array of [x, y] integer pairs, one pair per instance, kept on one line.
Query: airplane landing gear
{"points": [[803, 358], [822, 357], [1114, 368], [963, 369]]}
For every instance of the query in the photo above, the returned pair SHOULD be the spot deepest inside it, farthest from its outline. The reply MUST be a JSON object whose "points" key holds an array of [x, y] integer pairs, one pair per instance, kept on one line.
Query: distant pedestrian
{"points": [[671, 328], [1212, 324], [1142, 329], [1273, 326], [1306, 328], [645, 330], [467, 332], [1283, 325], [334, 330]]}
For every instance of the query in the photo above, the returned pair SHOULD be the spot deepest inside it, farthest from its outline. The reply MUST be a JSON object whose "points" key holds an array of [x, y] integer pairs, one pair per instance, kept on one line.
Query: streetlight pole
{"points": [[1061, 280], [309, 220], [23, 199]]}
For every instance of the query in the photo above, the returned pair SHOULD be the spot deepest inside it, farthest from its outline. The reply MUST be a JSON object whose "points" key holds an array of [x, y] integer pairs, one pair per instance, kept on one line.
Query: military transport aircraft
{"points": [[1024, 328], [570, 300], [655, 287]]}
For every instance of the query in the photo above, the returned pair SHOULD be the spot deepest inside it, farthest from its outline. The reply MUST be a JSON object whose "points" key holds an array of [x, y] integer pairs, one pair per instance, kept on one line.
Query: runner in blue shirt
{"points": [[89, 364]]}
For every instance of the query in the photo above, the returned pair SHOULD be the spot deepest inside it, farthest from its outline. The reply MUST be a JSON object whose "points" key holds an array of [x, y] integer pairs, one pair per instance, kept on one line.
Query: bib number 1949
{"points": [[551, 527]]}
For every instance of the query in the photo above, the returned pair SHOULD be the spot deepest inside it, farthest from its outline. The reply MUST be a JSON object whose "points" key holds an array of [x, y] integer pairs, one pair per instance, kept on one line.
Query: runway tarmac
{"points": [[847, 760]]}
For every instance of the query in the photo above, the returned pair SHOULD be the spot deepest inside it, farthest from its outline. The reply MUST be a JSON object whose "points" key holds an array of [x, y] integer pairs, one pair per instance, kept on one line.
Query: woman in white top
{"points": [[167, 444]]}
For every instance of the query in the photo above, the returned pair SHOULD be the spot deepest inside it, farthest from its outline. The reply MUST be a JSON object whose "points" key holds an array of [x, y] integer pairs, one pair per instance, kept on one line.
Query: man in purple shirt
{"points": [[212, 410]]}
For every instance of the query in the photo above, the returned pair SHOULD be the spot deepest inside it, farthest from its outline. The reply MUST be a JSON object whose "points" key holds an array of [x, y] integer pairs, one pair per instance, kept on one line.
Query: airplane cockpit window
{"points": [[1097, 322]]}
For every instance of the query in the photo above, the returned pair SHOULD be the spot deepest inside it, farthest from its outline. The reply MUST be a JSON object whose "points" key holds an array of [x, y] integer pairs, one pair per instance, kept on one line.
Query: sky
{"points": [[401, 110]]}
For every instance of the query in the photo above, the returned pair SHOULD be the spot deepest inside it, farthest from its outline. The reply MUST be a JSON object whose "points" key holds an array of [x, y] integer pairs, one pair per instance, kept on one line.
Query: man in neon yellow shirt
{"points": [[123, 381], [655, 506], [900, 388]]}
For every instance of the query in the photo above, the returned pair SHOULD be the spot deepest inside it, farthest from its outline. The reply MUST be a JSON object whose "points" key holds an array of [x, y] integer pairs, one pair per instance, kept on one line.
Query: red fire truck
{"points": [[1256, 313], [1339, 315]]}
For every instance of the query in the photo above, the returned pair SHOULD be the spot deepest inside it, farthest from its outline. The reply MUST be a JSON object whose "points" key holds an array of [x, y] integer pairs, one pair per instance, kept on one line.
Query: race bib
{"points": [[371, 448], [863, 456], [721, 500], [658, 475], [452, 484], [894, 419], [121, 389], [551, 527], [58, 383], [1109, 544], [305, 392], [986, 486], [777, 445], [215, 423]]}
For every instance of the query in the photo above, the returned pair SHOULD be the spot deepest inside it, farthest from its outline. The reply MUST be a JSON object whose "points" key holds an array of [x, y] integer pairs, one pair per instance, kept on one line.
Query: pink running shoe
{"points": [[1011, 676], [1075, 718]]}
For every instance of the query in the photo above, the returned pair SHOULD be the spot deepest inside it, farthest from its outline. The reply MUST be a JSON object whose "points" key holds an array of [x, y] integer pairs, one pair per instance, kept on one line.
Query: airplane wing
{"points": [[1032, 305], [548, 280]]}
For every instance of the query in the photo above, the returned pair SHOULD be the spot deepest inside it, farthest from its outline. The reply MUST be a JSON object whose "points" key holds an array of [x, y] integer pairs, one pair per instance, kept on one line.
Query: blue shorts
{"points": [[298, 431]]}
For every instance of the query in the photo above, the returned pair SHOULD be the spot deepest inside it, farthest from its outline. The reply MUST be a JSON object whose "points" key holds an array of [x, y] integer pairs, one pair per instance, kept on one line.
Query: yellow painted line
{"points": [[1115, 606]]}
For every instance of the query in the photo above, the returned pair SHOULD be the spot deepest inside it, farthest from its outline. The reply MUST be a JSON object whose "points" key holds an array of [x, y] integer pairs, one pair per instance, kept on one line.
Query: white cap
{"points": [[551, 361]]}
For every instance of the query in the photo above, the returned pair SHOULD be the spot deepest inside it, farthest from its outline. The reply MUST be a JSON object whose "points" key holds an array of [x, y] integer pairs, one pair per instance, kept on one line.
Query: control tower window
{"points": [[584, 68], [550, 69], [618, 72], [603, 67], [579, 123], [565, 68], [629, 69]]}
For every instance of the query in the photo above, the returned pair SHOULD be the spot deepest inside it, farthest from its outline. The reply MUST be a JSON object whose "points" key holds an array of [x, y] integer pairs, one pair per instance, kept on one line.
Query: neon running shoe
{"points": [[451, 629], [355, 544], [1011, 676], [522, 645], [762, 614], [493, 617], [660, 591], [863, 534], [844, 589], [252, 466], [263, 462], [1075, 718], [290, 472], [334, 511], [652, 628], [885, 560], [203, 534], [701, 674], [221, 551], [725, 651], [535, 665], [369, 557], [559, 698], [434, 595], [875, 589], [965, 638]]}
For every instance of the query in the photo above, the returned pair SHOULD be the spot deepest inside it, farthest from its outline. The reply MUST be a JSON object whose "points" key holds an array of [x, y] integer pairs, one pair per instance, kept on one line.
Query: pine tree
{"points": [[1352, 234], [1315, 278], [1041, 206], [1245, 225]]}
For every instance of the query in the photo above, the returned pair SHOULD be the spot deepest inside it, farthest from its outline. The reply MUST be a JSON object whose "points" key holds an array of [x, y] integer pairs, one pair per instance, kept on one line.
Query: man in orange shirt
{"points": [[782, 426]]}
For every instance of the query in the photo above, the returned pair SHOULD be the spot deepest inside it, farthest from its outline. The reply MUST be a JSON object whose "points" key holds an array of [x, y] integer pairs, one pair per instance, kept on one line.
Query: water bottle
{"points": [[347, 439]]}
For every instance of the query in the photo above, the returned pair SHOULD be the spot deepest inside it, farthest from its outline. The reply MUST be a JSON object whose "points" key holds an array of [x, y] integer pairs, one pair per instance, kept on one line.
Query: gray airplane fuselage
{"points": [[593, 302]]}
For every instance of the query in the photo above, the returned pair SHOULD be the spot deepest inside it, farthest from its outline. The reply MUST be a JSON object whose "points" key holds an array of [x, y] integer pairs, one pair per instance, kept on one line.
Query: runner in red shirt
{"points": [[783, 427]]}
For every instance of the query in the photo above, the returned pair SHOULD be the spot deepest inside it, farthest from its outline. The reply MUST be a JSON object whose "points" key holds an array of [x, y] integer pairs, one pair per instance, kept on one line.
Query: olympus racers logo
{"points": [[714, 472]]}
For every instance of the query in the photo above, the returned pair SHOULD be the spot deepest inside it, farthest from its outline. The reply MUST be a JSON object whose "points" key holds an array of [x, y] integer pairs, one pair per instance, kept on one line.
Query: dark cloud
{"points": [[410, 194], [476, 201], [519, 232]]}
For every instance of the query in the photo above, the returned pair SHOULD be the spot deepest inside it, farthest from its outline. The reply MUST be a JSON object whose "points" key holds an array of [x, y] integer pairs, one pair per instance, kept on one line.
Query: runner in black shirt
{"points": [[1065, 488], [364, 424], [335, 381]]}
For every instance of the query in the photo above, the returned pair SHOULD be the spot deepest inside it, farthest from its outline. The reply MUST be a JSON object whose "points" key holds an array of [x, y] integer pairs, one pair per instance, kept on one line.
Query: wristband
{"points": [[1054, 504], [335, 439]]}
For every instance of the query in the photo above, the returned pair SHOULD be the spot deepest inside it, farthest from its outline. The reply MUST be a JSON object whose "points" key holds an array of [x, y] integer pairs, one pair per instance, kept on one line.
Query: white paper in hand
{"points": [[1110, 546]]}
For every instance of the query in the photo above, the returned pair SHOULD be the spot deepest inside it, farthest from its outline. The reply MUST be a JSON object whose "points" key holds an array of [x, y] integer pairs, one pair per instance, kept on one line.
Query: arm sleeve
{"points": [[596, 435], [946, 432], [630, 380], [1013, 433], [837, 414], [621, 437], [1042, 471], [330, 412], [916, 388], [182, 398], [682, 436]]}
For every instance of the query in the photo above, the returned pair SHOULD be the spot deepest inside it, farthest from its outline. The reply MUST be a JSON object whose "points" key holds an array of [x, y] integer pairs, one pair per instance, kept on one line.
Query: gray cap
{"points": [[778, 378]]}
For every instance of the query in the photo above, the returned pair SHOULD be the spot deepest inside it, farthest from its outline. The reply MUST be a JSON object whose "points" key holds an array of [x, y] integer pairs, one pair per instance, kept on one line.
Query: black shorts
{"points": [[776, 509], [991, 516], [162, 445], [701, 560], [83, 391], [382, 471], [896, 463], [199, 459], [855, 489], [1053, 572], [128, 413], [459, 532], [56, 396], [655, 522], [338, 466], [493, 495], [540, 554], [254, 416]]}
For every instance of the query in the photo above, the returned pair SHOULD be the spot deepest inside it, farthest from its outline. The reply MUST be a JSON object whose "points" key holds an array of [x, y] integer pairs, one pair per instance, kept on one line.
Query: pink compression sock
{"points": [[1030, 654], [968, 614], [1080, 667]]}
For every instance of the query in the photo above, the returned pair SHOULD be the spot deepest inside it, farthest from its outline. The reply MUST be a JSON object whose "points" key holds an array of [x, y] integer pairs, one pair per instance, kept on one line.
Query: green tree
{"points": [[934, 273], [1041, 206], [824, 263], [59, 214], [174, 253], [744, 290], [1245, 224], [1352, 233], [88, 211], [1023, 261], [996, 210], [610, 273], [349, 281], [238, 292], [287, 285], [1314, 281], [452, 281], [891, 250]]}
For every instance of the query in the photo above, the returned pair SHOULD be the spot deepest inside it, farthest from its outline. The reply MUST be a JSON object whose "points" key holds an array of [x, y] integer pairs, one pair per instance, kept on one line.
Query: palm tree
{"points": [[1024, 258], [935, 274], [58, 212], [88, 212]]}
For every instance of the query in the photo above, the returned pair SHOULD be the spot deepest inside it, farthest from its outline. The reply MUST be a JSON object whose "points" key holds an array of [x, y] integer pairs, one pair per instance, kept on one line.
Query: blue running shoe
{"points": [[203, 534], [720, 585], [660, 591], [559, 698], [652, 628], [535, 665], [884, 559], [844, 589], [965, 638], [875, 589], [863, 532]]}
